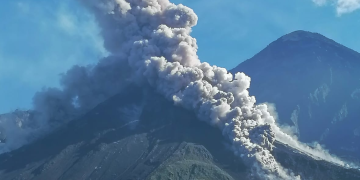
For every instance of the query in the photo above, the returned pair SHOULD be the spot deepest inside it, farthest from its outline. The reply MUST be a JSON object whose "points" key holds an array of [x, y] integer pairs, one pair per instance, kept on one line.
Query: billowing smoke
{"points": [[152, 39], [150, 44], [83, 89]]}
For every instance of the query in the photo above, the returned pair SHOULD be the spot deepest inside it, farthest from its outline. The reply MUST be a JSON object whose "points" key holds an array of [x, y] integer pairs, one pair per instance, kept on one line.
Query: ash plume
{"points": [[150, 44], [153, 38]]}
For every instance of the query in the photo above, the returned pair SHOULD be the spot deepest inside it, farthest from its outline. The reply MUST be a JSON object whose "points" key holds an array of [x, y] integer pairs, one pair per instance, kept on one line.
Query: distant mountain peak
{"points": [[301, 35], [298, 35], [303, 46]]}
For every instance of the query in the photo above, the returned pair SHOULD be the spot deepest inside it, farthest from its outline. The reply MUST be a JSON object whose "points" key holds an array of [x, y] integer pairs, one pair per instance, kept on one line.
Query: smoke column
{"points": [[150, 44], [152, 38]]}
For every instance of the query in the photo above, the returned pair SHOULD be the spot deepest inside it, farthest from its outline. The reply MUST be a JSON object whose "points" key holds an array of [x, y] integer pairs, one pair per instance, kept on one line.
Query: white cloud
{"points": [[320, 2], [342, 6], [347, 6]]}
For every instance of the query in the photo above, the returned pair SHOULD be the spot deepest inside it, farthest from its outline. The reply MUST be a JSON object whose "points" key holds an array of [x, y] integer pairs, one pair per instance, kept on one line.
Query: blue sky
{"points": [[39, 39]]}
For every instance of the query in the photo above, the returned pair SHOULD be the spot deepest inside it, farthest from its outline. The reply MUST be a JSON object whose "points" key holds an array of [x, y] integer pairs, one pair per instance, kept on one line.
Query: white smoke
{"points": [[150, 44], [317, 151], [288, 135]]}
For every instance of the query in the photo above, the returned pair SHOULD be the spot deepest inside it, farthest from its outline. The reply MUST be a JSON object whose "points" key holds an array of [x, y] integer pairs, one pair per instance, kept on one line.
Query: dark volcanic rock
{"points": [[137, 135], [315, 84]]}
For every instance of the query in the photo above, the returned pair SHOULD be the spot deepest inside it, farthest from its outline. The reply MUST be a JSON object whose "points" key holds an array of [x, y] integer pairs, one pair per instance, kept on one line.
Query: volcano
{"points": [[152, 110], [146, 137], [315, 84]]}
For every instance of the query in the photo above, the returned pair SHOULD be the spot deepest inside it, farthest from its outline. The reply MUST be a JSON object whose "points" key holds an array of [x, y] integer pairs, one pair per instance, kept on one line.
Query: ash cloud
{"points": [[153, 38], [150, 45]]}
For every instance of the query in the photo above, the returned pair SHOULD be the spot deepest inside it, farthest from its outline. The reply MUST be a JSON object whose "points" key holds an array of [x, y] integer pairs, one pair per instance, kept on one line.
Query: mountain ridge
{"points": [[298, 35]]}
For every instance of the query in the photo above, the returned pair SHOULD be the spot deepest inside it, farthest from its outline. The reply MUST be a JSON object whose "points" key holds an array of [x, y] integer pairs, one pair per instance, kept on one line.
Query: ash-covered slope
{"points": [[140, 135], [315, 84]]}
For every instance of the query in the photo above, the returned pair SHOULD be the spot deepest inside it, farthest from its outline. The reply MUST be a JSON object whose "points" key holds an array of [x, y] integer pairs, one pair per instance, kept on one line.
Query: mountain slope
{"points": [[111, 143], [140, 135], [315, 84]]}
